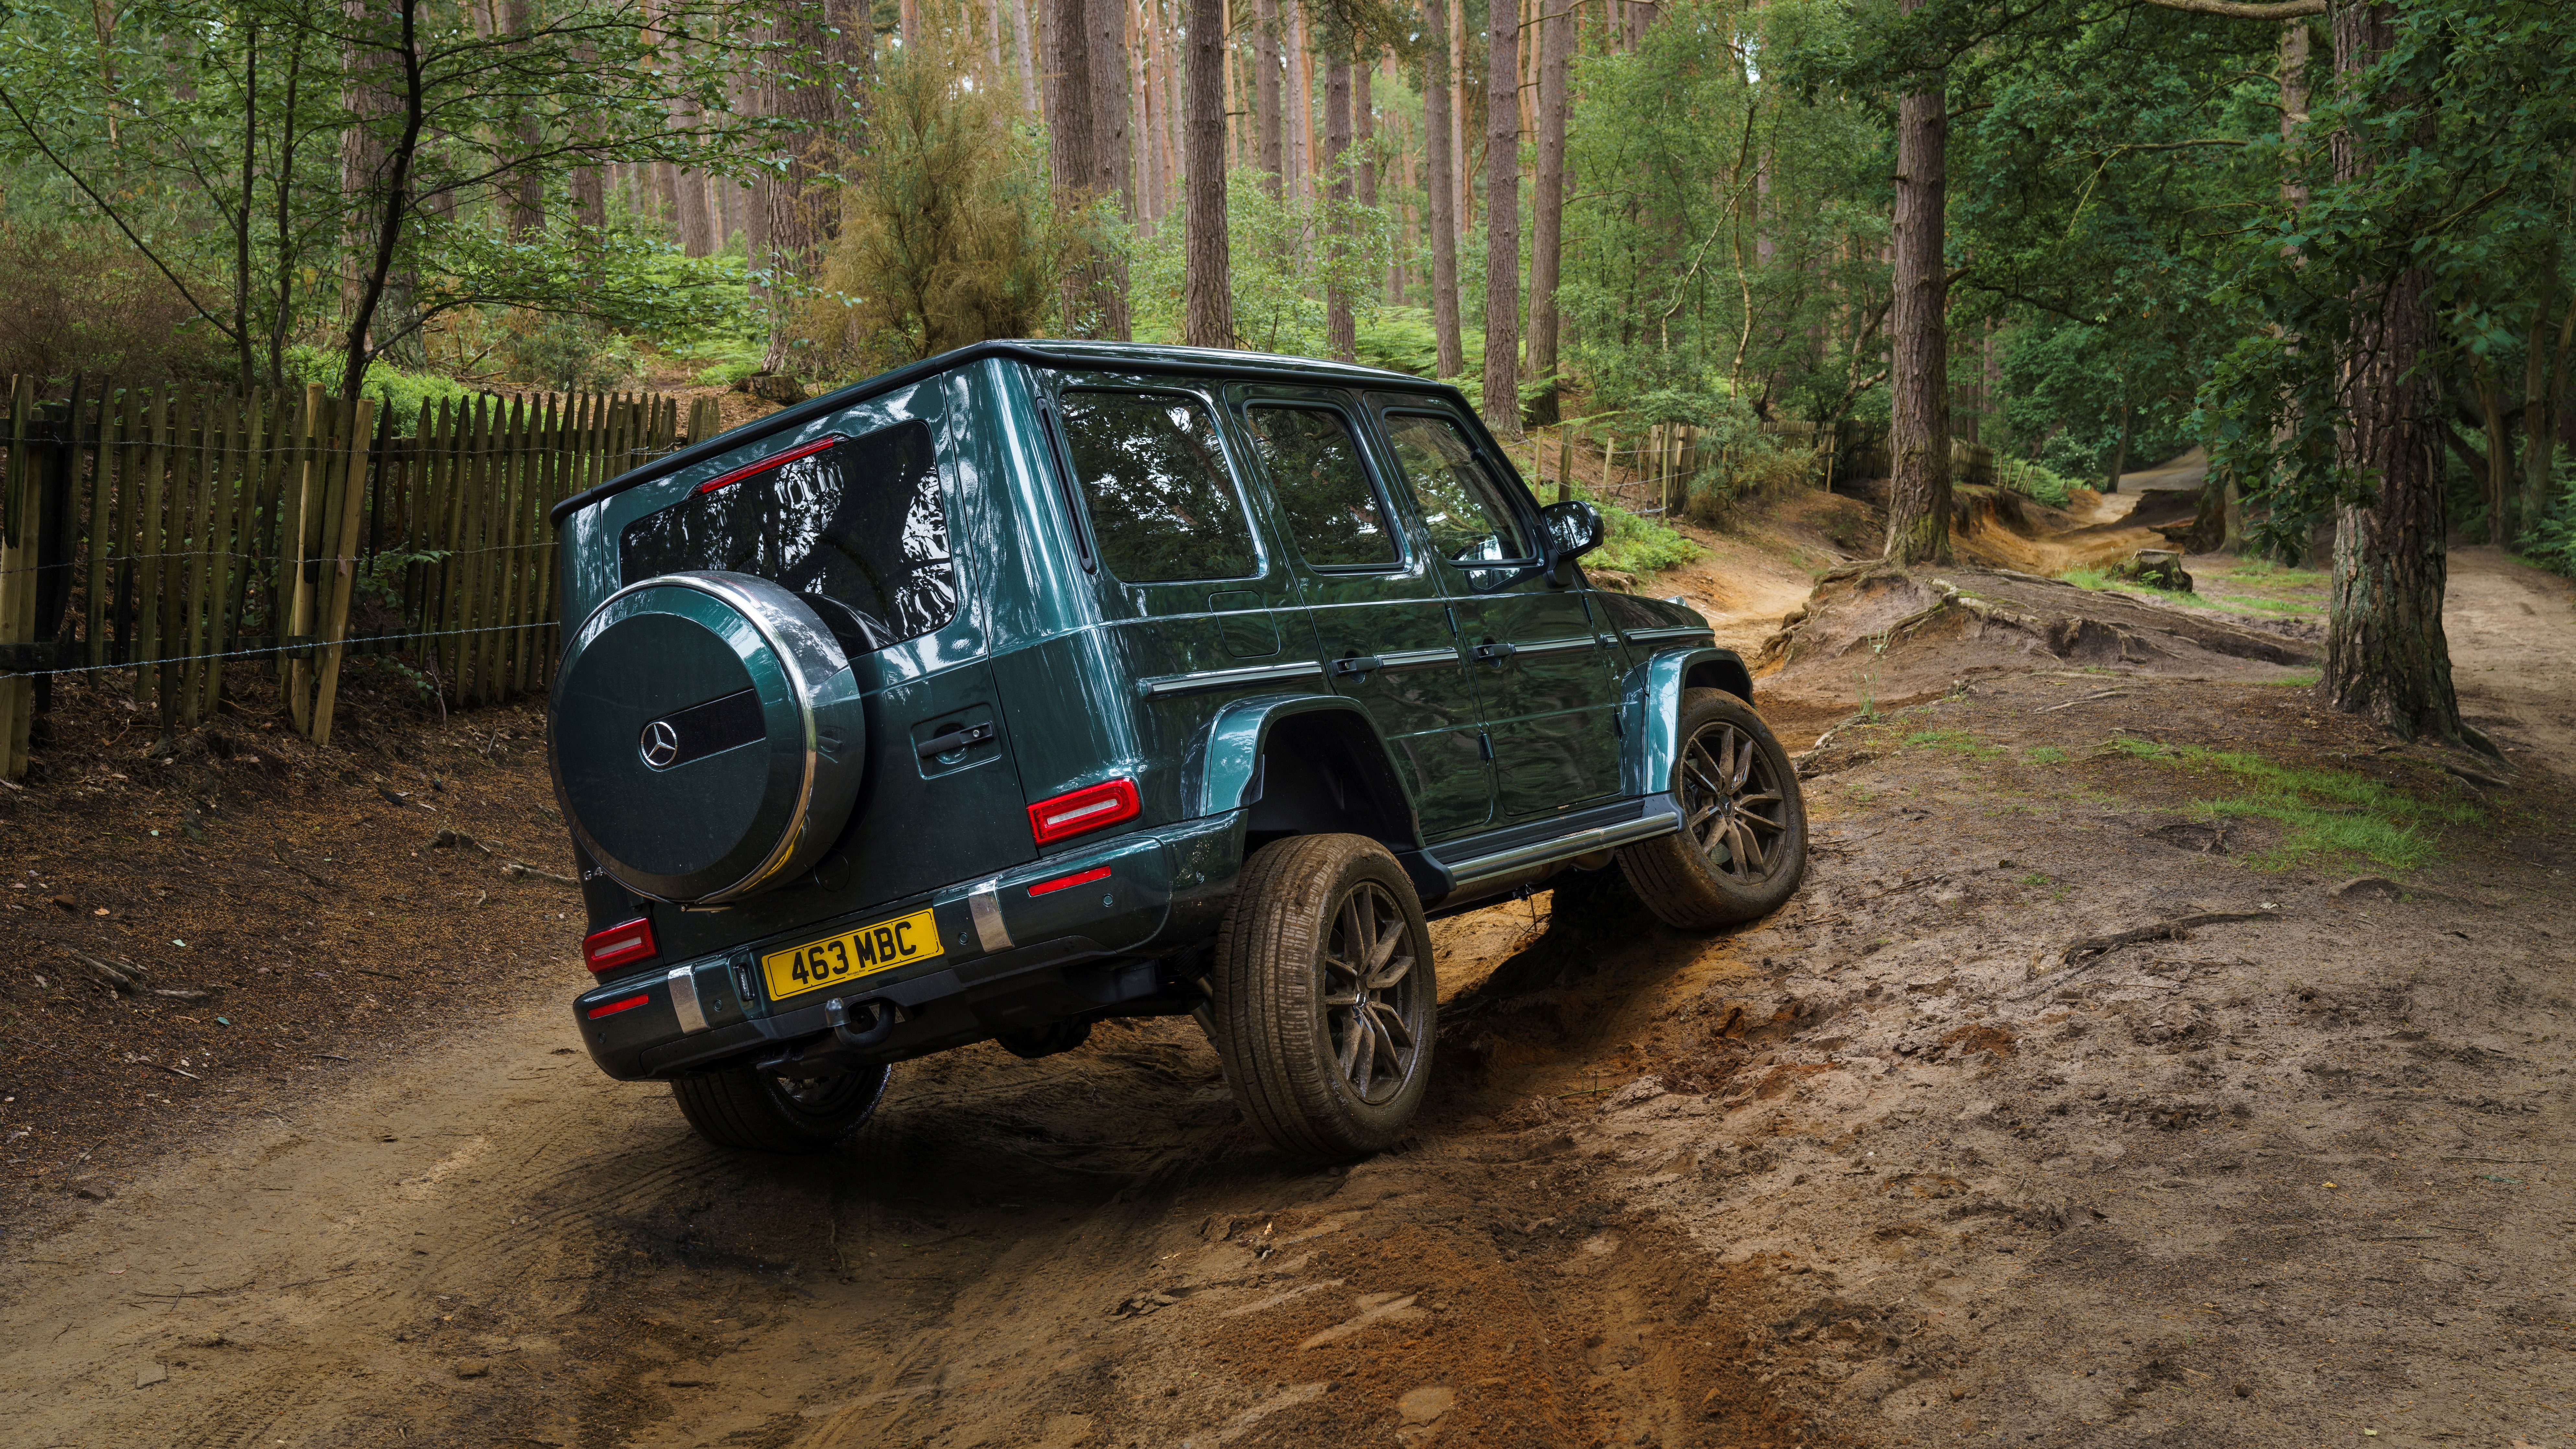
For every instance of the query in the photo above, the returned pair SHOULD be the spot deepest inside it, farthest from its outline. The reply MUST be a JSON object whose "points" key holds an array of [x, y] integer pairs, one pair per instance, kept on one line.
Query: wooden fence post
{"points": [[340, 560], [18, 524]]}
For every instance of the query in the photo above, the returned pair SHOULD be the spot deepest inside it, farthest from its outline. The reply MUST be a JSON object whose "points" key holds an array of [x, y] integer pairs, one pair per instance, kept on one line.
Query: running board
{"points": [[1659, 819]]}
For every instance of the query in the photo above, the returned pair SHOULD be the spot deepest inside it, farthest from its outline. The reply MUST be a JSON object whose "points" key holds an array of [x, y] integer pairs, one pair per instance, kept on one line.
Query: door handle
{"points": [[1494, 654], [1358, 665], [949, 741]]}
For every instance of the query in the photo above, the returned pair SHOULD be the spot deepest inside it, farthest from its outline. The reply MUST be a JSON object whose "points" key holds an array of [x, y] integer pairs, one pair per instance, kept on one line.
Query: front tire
{"points": [[1324, 996], [759, 1112], [1743, 846]]}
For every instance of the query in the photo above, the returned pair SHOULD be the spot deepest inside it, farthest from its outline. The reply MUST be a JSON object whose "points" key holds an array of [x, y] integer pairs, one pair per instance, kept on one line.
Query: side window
{"points": [[1154, 479], [858, 529], [1470, 518], [1316, 473]]}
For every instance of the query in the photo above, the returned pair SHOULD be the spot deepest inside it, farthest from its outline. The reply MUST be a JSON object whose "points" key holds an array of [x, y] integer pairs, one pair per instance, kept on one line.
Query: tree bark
{"points": [[528, 191], [1025, 44], [2386, 655], [1341, 329], [1298, 112], [1442, 188], [1502, 398], [799, 214], [1113, 153], [1918, 503], [2120, 455], [1265, 92], [1547, 197], [1207, 318], [2544, 367]]}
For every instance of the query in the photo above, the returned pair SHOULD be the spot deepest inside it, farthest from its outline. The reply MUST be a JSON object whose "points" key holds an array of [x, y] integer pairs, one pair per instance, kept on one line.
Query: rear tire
{"points": [[1744, 849], [1324, 996], [759, 1112]]}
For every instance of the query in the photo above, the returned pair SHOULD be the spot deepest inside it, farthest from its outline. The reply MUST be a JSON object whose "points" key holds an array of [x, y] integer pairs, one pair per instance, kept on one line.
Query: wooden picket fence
{"points": [[178, 534]]}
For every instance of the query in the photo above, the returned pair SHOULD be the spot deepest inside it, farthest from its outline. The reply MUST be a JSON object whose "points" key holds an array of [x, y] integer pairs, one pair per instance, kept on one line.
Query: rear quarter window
{"points": [[858, 530], [1163, 505]]}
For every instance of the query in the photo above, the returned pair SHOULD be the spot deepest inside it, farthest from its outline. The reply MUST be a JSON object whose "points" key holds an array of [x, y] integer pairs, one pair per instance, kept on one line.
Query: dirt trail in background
{"points": [[2050, 1113]]}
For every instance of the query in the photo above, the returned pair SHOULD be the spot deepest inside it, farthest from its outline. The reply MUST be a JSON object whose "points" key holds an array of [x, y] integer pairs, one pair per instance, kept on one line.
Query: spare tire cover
{"points": [[708, 740]]}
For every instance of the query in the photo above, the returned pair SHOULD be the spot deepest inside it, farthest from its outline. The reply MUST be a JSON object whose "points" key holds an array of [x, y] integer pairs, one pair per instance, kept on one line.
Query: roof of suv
{"points": [[1132, 357]]}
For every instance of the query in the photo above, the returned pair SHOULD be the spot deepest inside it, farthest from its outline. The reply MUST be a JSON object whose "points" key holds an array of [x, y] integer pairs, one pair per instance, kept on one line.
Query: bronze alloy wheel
{"points": [[1368, 986], [1742, 848], [1322, 995], [1732, 803]]}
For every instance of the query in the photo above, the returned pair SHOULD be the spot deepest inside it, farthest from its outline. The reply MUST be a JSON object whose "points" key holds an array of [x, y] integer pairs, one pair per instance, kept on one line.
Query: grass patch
{"points": [[2043, 755], [1956, 741], [2322, 812], [2298, 679]]}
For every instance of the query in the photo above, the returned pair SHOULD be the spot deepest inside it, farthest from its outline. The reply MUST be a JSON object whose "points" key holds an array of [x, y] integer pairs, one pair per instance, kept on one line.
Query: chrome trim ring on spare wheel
{"points": [[707, 736]]}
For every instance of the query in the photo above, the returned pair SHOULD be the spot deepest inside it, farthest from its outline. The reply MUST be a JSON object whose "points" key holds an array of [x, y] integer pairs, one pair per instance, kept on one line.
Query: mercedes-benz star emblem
{"points": [[661, 744]]}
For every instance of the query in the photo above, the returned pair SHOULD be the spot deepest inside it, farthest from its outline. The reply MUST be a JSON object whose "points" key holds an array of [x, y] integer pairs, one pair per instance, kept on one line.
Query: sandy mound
{"points": [[1889, 635]]}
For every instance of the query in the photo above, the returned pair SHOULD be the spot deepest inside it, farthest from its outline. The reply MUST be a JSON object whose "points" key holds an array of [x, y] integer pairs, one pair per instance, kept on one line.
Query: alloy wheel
{"points": [[1369, 984], [1731, 801]]}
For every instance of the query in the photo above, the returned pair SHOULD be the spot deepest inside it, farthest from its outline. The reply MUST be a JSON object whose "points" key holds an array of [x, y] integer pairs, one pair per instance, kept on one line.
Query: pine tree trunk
{"points": [[2386, 655], [1918, 502], [1207, 285], [1502, 398], [797, 212], [1113, 153], [1026, 42], [1341, 331], [1298, 113], [1071, 118], [2120, 455], [1441, 187], [1547, 199], [2543, 369], [1265, 92]]}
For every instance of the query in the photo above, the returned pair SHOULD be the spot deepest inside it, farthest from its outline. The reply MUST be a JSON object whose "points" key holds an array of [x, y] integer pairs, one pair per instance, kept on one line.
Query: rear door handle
{"points": [[948, 742], [1492, 653], [1358, 665]]}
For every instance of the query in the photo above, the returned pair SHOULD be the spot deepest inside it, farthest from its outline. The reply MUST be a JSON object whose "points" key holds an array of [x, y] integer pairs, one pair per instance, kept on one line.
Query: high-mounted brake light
{"points": [[774, 460], [623, 944], [1086, 809]]}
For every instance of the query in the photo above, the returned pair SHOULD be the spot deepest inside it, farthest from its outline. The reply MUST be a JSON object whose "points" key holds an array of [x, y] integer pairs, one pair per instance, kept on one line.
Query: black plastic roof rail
{"points": [[1129, 357]]}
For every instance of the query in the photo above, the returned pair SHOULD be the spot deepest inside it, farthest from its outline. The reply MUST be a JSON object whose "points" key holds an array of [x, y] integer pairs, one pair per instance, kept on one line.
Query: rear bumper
{"points": [[1011, 961]]}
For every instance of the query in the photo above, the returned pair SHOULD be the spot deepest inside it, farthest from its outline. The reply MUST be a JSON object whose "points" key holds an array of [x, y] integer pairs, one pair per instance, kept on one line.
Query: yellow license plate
{"points": [[851, 955]]}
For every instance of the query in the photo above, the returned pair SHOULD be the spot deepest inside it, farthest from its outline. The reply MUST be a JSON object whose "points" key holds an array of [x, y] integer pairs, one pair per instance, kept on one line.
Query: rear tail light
{"points": [[614, 1007], [1086, 809], [623, 944]]}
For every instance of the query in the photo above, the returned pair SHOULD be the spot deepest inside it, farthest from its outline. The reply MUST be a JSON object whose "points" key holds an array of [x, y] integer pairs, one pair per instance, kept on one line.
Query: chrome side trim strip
{"points": [[684, 999], [1556, 646], [1165, 685], [1582, 842], [985, 905], [1417, 658], [1676, 632]]}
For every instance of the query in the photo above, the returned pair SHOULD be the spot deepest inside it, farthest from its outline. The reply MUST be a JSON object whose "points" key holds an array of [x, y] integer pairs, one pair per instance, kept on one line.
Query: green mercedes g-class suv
{"points": [[1046, 682]]}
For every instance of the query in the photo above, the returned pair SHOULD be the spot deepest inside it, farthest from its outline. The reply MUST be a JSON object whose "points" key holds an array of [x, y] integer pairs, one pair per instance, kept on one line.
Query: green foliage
{"points": [[2034, 480], [1285, 254], [2470, 142], [1724, 221], [951, 231], [2551, 540], [1633, 544], [397, 392], [1402, 339], [567, 354]]}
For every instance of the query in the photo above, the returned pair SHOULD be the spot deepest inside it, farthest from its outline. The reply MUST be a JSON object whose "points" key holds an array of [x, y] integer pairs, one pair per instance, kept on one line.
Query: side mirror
{"points": [[1574, 528]]}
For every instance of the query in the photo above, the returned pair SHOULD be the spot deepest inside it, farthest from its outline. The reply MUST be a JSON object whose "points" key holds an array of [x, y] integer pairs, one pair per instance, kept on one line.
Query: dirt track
{"points": [[1894, 1167]]}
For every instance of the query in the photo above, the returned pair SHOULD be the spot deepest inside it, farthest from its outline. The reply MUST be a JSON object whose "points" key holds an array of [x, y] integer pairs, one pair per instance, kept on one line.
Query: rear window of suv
{"points": [[859, 530]]}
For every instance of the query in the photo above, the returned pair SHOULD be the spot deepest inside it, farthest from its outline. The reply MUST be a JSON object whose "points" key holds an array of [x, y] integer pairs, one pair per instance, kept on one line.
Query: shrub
{"points": [[396, 391], [2551, 539], [951, 231], [2024, 476], [77, 300]]}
